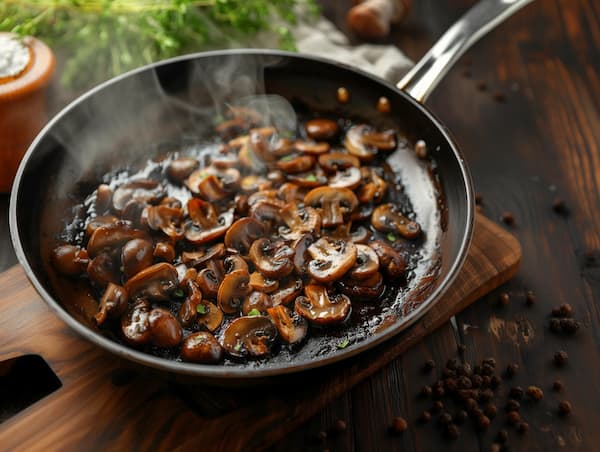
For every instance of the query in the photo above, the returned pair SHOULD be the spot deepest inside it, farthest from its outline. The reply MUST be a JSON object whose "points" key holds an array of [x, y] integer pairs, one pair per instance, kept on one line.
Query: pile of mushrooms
{"points": [[276, 235]]}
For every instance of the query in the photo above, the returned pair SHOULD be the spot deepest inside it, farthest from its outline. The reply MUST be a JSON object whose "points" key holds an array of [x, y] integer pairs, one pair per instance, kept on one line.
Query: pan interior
{"points": [[172, 104]]}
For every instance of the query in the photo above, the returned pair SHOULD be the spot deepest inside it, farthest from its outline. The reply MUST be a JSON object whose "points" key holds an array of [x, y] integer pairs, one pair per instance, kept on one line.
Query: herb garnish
{"points": [[391, 237], [343, 344], [201, 309], [253, 312], [179, 293]]}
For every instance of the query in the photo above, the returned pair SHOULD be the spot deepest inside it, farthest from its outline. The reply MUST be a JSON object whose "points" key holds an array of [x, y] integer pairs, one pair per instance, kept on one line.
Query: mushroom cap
{"points": [[386, 218], [242, 233], [135, 324], [201, 348], [321, 309], [211, 318], [198, 234], [154, 283], [249, 337], [291, 326], [259, 282], [180, 169], [69, 260], [346, 178], [232, 291], [295, 163], [301, 255], [209, 282], [272, 258], [164, 251], [288, 291], [99, 221], [144, 191], [164, 218], [310, 179], [113, 303], [188, 309], [364, 141], [322, 129], [367, 263], [335, 204], [390, 260], [136, 255], [331, 259], [111, 236], [366, 289], [299, 220], [102, 270], [312, 147], [200, 257], [256, 300], [332, 162], [165, 329]]}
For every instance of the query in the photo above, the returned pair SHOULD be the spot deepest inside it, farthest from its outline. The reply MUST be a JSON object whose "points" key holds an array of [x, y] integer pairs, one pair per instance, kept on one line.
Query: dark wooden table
{"points": [[524, 106]]}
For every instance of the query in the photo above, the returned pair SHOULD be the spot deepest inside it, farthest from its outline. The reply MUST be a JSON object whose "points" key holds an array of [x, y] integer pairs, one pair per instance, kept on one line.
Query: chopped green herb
{"points": [[311, 178], [287, 158], [343, 344], [219, 118], [391, 237], [254, 312], [122, 269], [201, 309], [237, 347], [179, 293]]}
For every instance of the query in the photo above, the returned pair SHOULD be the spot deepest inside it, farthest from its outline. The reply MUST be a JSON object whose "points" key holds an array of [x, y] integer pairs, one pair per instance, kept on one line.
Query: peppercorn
{"points": [[495, 447], [504, 299], [530, 298], [429, 365], [476, 381], [425, 417], [502, 436], [486, 395], [561, 358], [460, 416], [557, 385], [516, 392], [437, 406], [452, 431], [339, 426], [452, 364], [512, 405], [483, 422], [490, 410], [555, 326], [383, 105], [564, 408], [426, 391], [569, 326], [421, 149], [322, 436], [508, 218], [450, 384], [465, 383], [477, 412], [535, 393], [399, 424], [511, 370], [489, 361], [560, 207], [343, 95], [488, 370], [470, 405], [438, 392], [464, 370], [447, 373], [461, 348], [445, 418], [565, 310], [513, 417], [522, 427], [495, 381]]}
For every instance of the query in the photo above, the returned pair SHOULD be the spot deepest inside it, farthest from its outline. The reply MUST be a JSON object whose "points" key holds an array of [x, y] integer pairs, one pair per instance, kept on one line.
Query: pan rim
{"points": [[230, 372]]}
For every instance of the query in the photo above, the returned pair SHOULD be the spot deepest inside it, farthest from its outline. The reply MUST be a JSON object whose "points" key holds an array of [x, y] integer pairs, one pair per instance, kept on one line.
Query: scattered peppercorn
{"points": [[555, 325], [322, 436], [511, 370], [569, 326], [465, 370], [489, 361], [452, 431], [513, 405], [340, 426], [426, 391], [421, 149], [561, 358], [437, 406], [495, 381], [483, 422], [513, 417], [399, 424], [508, 218], [495, 447], [564, 408], [530, 298], [476, 381], [516, 393], [445, 418], [504, 299], [460, 416], [557, 385], [565, 310], [490, 410], [502, 436], [486, 395], [471, 405], [438, 392], [425, 417], [429, 365], [452, 364], [560, 207], [383, 105], [535, 393], [522, 427]]}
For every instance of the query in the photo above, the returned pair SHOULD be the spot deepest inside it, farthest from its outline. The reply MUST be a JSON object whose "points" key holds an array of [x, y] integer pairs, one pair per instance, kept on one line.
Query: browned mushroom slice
{"points": [[320, 308], [249, 337], [390, 260], [144, 191], [259, 145], [69, 260], [249, 160], [366, 289], [209, 282], [299, 221], [331, 259], [383, 141], [292, 327], [301, 255], [97, 222], [256, 301], [165, 330], [264, 195], [171, 202], [355, 145], [242, 233], [107, 238], [206, 225], [136, 255], [213, 184], [288, 291], [180, 169], [347, 178], [360, 235], [312, 147], [135, 324], [272, 258], [200, 257], [224, 159], [102, 270], [201, 348], [164, 251], [262, 284], [363, 213], [253, 183], [296, 163], [113, 303], [154, 283], [367, 263], [311, 179], [267, 212], [335, 204], [373, 186], [188, 309], [185, 275], [234, 263], [104, 196], [164, 218], [290, 192], [386, 218], [322, 129], [232, 291], [209, 315], [209, 188], [336, 161], [241, 205], [276, 177]]}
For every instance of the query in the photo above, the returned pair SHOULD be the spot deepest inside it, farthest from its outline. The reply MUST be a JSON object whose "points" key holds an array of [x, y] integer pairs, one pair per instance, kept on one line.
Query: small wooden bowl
{"points": [[23, 108]]}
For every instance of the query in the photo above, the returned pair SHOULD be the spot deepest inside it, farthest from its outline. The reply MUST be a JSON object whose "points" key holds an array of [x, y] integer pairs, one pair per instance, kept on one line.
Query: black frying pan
{"points": [[168, 104]]}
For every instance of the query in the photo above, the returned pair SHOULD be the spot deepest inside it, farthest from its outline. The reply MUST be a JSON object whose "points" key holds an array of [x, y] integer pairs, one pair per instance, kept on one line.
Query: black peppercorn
{"points": [[438, 392], [557, 385], [569, 326], [465, 383], [488, 370], [452, 364], [465, 370], [561, 358], [445, 418], [399, 424], [476, 381], [339, 426], [426, 391], [322, 436], [429, 365], [460, 416], [483, 422], [565, 310], [564, 408], [478, 198], [495, 381], [486, 395], [555, 326], [535, 393], [513, 417], [512, 405], [490, 410], [495, 447], [447, 373], [461, 348], [560, 207], [470, 405], [450, 385], [437, 406], [508, 218], [489, 361], [511, 370], [516, 393], [504, 299], [522, 427], [425, 417], [502, 436], [530, 298], [452, 431]]}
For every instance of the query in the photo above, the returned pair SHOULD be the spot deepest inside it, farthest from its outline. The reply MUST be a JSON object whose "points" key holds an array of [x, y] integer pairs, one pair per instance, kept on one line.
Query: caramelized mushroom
{"points": [[97, 222], [107, 238], [367, 263], [256, 300], [154, 283], [102, 270], [291, 192], [292, 327], [266, 212], [212, 184], [200, 257], [321, 129], [201, 348], [272, 258], [180, 169], [312, 147], [347, 178], [69, 260], [390, 260], [373, 186], [295, 163], [113, 303], [104, 196], [242, 233], [136, 255], [367, 289], [331, 259], [144, 191], [234, 263], [206, 225], [335, 204], [288, 291], [253, 183], [301, 255], [209, 282], [164, 251], [259, 145], [209, 315], [232, 291], [336, 161], [386, 218], [165, 330], [135, 324], [249, 337], [262, 284], [321, 309], [364, 142], [188, 310], [299, 221], [164, 218], [311, 179]]}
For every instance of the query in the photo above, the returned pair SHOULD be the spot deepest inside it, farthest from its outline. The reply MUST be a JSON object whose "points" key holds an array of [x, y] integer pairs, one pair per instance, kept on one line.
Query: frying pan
{"points": [[168, 104]]}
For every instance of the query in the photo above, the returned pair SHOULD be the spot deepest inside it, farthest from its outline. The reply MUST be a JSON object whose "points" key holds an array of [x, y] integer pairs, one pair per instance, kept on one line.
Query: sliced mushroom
{"points": [[232, 291], [97, 222], [154, 283], [301, 255], [69, 260], [259, 145], [364, 142], [188, 310], [104, 196], [290, 192], [267, 212], [201, 348], [253, 183], [242, 233], [209, 282], [386, 218], [292, 327], [234, 263], [185, 275], [249, 337], [212, 184], [209, 315], [383, 141], [296, 163], [331, 259], [113, 303], [336, 161], [164, 218], [164, 251], [312, 147], [373, 186], [206, 225], [145, 191], [165, 330], [366, 289], [272, 258], [107, 238], [264, 195], [136, 255], [249, 159], [367, 263], [102, 270], [288, 291], [200, 257], [311, 179], [256, 300], [322, 129], [224, 159], [180, 169], [320, 308], [347, 178], [390, 260], [335, 204], [299, 220], [262, 284], [135, 324]]}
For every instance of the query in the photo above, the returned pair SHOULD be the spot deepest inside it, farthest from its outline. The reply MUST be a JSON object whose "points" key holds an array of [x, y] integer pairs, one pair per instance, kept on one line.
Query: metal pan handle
{"points": [[481, 18]]}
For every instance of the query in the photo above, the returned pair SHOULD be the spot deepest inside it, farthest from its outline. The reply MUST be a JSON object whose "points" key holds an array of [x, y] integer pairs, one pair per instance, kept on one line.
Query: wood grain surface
{"points": [[97, 408]]}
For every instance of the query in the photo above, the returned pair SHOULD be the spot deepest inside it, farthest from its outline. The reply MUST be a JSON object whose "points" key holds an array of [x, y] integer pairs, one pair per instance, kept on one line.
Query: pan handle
{"points": [[481, 18]]}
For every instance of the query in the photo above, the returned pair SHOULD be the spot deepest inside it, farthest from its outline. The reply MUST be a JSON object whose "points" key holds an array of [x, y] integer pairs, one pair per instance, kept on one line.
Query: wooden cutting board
{"points": [[106, 403]]}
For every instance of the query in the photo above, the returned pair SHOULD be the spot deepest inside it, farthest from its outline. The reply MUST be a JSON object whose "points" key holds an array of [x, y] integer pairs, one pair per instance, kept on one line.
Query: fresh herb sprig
{"points": [[98, 39]]}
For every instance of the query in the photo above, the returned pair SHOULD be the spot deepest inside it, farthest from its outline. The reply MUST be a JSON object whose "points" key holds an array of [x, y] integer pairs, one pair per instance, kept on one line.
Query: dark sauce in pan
{"points": [[410, 187]]}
